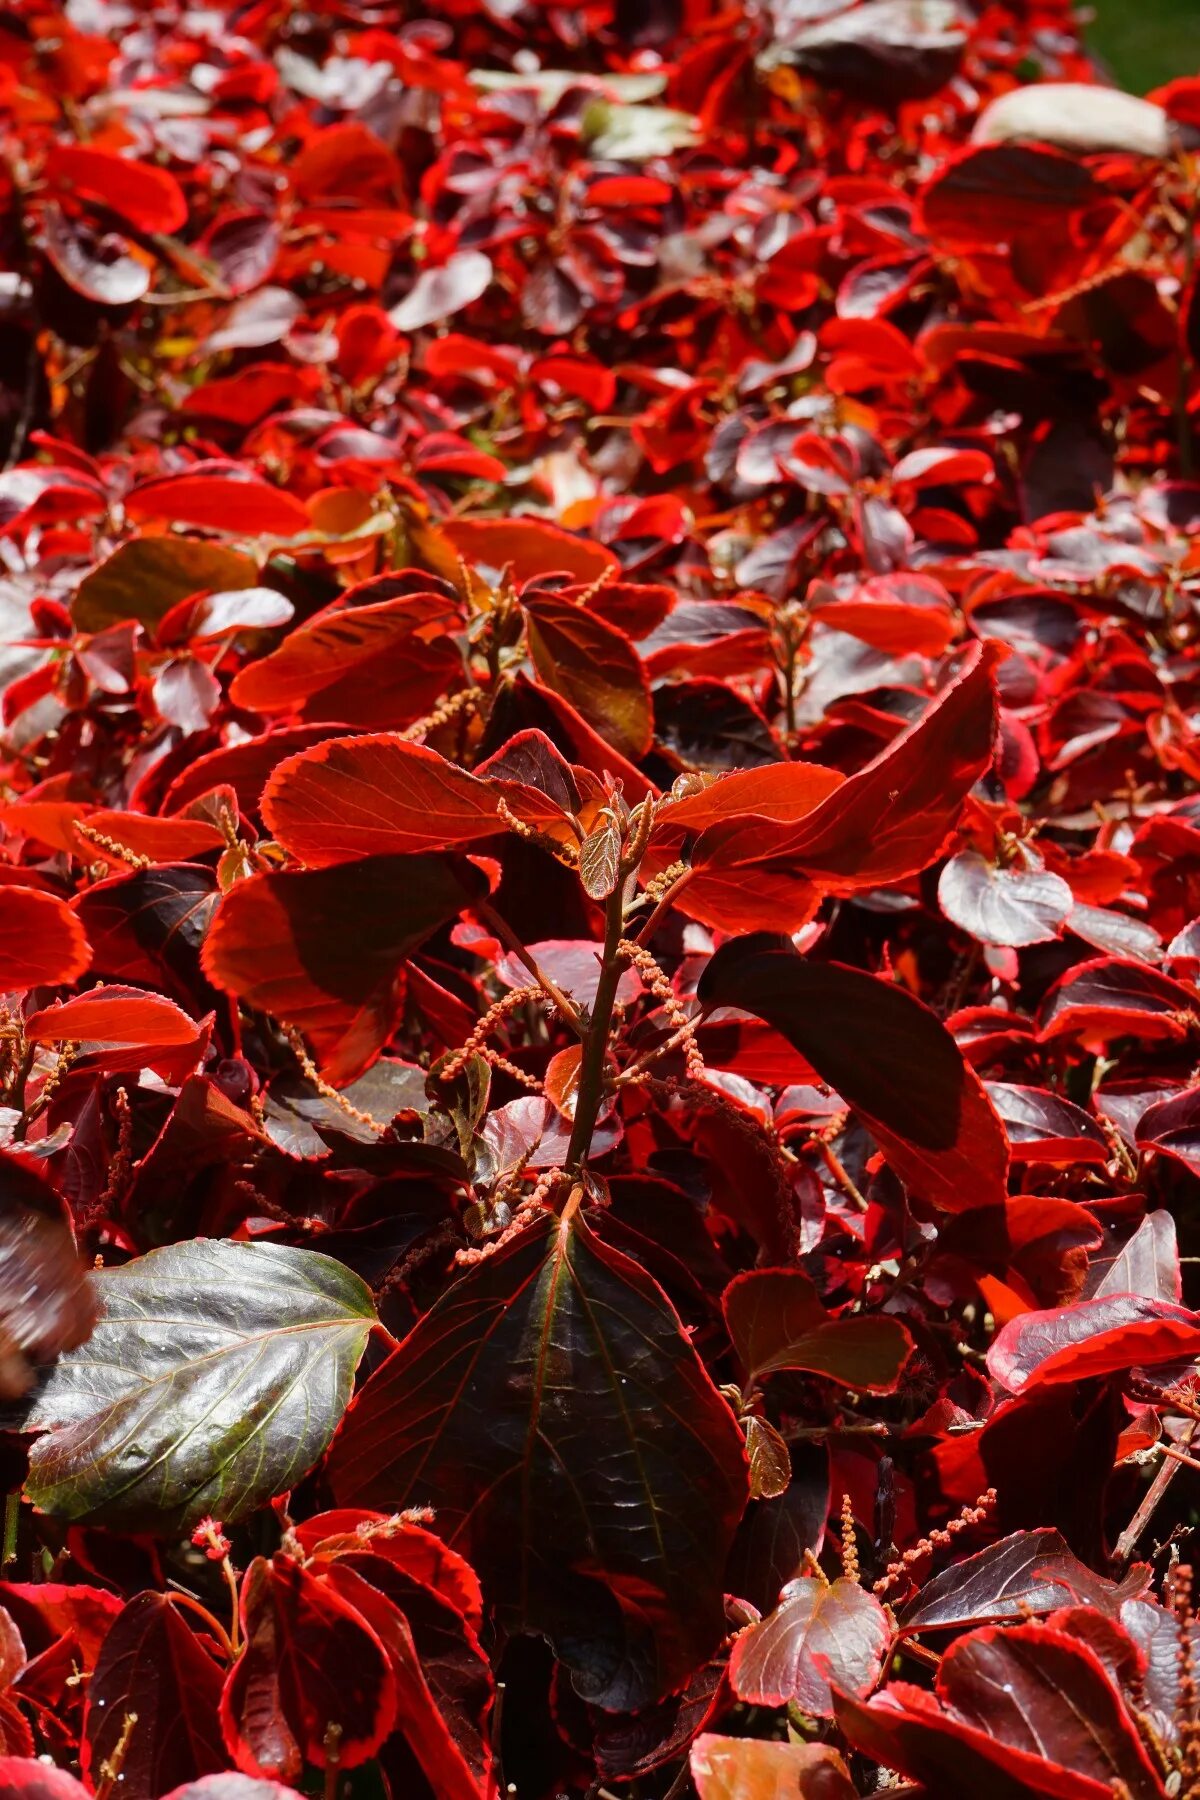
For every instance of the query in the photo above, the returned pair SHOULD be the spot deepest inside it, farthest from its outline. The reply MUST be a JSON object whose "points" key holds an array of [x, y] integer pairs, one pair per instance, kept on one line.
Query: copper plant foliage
{"points": [[599, 903]]}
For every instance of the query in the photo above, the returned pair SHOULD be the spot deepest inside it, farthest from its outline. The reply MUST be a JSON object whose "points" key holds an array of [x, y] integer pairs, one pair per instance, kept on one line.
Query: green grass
{"points": [[1147, 42]]}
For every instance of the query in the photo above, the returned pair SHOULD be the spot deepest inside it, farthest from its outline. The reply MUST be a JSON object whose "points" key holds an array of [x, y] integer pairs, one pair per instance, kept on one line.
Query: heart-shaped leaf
{"points": [[554, 1413], [822, 1635], [1013, 907], [214, 1379]]}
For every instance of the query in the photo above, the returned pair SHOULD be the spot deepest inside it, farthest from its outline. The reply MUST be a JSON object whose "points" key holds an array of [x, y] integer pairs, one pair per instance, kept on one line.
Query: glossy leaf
{"points": [[1013, 906], [600, 1419], [215, 1377], [1045, 1694], [822, 1636], [1096, 1337], [1028, 1571]]}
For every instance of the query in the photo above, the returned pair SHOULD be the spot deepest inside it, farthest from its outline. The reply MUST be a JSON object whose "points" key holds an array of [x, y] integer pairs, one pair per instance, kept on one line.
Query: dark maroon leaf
{"points": [[611, 1469], [887, 1056], [154, 1665]]}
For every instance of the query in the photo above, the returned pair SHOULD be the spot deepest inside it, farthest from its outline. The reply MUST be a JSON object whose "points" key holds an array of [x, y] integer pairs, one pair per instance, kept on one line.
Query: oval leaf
{"points": [[214, 1380], [887, 1056], [776, 1320]]}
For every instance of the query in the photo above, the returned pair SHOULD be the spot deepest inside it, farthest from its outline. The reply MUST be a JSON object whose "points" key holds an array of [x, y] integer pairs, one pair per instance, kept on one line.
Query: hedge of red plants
{"points": [[599, 890]]}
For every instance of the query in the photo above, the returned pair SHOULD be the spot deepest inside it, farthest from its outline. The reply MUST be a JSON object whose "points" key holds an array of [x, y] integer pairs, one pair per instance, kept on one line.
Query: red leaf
{"points": [[323, 949], [375, 796], [527, 548], [310, 1661], [821, 1636], [601, 1422], [887, 1056], [220, 497], [359, 665], [1096, 1337], [154, 1665], [42, 943], [113, 1016], [777, 1321], [146, 197]]}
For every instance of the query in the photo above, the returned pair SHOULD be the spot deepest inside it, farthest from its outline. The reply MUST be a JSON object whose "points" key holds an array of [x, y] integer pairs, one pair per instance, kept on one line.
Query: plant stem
{"points": [[12, 1520], [1167, 1471], [595, 1042], [504, 931]]}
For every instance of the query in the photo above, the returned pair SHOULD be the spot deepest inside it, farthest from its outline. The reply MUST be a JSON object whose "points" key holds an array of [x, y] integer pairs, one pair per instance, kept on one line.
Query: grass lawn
{"points": [[1145, 42]]}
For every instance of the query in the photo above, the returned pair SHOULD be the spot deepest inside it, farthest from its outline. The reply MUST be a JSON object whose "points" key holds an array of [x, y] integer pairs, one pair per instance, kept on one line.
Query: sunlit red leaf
{"points": [[372, 796], [42, 943], [222, 498], [1096, 1337], [323, 949], [310, 1660], [822, 1636], [146, 197]]}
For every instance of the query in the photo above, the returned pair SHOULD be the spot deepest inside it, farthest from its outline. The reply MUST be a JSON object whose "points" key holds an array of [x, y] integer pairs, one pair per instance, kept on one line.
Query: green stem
{"points": [[595, 1043], [12, 1520]]}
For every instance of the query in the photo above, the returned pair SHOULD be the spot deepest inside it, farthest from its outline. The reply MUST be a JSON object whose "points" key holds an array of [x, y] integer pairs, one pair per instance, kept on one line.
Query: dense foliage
{"points": [[599, 903]]}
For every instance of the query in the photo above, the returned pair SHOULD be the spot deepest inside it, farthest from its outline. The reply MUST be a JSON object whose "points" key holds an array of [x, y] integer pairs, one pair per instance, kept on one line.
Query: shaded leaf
{"points": [[46, 1306], [1045, 1694], [552, 1411], [595, 667], [154, 1665], [322, 949], [887, 1056], [776, 1320], [146, 576]]}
